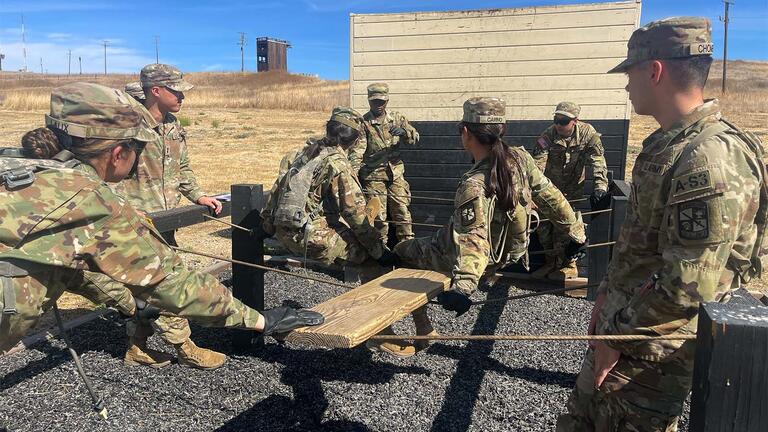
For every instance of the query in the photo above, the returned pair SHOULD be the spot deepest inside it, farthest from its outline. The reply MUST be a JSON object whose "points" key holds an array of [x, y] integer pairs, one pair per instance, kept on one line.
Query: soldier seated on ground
{"points": [[565, 149], [317, 207], [59, 219], [490, 226]]}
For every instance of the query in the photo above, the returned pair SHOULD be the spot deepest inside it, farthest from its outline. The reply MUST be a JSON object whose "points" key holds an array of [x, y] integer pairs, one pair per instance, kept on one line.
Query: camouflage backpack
{"points": [[16, 171], [294, 208]]}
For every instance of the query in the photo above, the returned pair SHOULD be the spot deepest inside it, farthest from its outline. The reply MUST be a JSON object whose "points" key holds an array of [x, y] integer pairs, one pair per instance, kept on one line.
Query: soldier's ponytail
{"points": [[47, 142], [40, 143], [506, 170]]}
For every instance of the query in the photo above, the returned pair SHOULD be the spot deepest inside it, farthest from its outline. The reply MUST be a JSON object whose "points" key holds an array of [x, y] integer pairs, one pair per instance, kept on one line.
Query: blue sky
{"points": [[202, 36]]}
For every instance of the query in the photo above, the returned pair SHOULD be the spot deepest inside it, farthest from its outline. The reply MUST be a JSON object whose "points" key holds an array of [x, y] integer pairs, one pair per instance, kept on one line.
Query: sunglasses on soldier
{"points": [[562, 120]]}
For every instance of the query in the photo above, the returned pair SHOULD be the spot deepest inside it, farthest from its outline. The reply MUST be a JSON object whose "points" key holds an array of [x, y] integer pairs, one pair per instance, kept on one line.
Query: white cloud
{"points": [[120, 59], [59, 36], [213, 68]]}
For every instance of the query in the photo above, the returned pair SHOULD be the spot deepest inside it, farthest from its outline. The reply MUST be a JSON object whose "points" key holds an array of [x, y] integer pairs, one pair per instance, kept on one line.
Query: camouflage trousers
{"points": [[637, 396], [395, 196], [99, 289], [550, 239], [330, 244], [425, 253]]}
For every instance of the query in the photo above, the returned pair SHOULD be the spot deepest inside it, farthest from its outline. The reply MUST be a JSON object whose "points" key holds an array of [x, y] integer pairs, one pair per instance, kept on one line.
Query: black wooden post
{"points": [[247, 282], [730, 376], [605, 227]]}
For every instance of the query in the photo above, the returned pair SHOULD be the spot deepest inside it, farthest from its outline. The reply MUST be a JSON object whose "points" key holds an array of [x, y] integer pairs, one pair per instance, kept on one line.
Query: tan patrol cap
{"points": [[164, 75], [568, 109], [486, 110], [668, 38], [378, 91]]}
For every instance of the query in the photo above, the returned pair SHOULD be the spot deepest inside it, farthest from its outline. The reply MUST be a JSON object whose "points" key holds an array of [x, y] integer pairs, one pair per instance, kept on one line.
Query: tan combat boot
{"points": [[399, 349], [568, 271], [193, 356], [547, 268], [139, 355], [423, 328]]}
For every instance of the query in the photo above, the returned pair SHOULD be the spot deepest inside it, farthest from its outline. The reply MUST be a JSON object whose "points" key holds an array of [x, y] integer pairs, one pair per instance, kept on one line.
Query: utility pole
{"points": [[80, 62], [725, 21], [157, 49], [105, 56], [69, 62], [242, 52], [2, 56], [24, 42], [41, 65]]}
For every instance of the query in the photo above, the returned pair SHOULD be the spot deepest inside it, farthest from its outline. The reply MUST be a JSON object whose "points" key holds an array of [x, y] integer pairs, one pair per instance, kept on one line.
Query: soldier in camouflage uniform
{"points": [[317, 207], [490, 226], [692, 233], [564, 150], [376, 158], [58, 220], [135, 91], [163, 174]]}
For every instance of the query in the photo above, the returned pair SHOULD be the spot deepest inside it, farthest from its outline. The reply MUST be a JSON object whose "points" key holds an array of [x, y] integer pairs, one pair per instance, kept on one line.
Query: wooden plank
{"points": [[585, 98], [594, 50], [519, 127], [729, 376], [454, 114], [355, 316], [511, 37], [497, 22], [536, 10], [512, 68], [180, 217]]}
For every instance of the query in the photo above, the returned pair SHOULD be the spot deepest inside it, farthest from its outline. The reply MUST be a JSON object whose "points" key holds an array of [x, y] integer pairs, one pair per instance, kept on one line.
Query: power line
{"points": [[242, 51], [105, 43], [725, 21]]}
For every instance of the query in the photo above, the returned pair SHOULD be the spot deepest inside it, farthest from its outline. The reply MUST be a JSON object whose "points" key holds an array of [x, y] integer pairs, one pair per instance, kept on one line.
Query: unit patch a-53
{"points": [[693, 220]]}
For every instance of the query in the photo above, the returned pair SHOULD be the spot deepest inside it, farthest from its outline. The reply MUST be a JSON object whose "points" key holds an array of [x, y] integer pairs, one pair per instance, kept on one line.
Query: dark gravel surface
{"points": [[453, 386]]}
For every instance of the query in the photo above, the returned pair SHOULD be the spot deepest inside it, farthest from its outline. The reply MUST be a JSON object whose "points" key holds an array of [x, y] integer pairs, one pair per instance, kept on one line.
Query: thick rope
{"points": [[227, 223], [596, 245], [534, 294], [260, 267], [370, 192], [536, 337], [593, 212]]}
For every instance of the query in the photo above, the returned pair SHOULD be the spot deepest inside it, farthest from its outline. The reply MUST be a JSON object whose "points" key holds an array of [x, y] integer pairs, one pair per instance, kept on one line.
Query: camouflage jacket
{"points": [[69, 220], [377, 155], [689, 226], [163, 173], [564, 159], [336, 192], [480, 233]]}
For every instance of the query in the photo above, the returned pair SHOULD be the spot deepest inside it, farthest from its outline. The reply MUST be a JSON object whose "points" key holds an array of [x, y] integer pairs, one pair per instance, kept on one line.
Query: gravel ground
{"points": [[453, 386]]}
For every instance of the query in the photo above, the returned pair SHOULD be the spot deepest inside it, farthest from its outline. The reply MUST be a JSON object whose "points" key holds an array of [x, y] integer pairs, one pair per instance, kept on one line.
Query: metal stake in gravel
{"points": [[98, 404]]}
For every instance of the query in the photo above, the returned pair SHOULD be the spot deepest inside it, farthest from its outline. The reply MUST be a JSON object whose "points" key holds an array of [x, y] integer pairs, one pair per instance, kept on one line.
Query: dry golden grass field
{"points": [[239, 126]]}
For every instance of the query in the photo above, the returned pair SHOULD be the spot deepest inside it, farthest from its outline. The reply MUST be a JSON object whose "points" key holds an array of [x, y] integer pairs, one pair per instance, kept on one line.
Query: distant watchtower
{"points": [[271, 54]]}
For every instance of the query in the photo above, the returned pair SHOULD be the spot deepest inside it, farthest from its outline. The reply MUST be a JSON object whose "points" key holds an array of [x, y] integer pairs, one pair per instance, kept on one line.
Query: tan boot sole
{"points": [[378, 348], [157, 365], [196, 366]]}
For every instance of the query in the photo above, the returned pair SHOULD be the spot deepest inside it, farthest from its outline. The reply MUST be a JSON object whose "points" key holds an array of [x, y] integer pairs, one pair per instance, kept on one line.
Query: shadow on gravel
{"points": [[304, 372], [54, 357], [462, 393]]}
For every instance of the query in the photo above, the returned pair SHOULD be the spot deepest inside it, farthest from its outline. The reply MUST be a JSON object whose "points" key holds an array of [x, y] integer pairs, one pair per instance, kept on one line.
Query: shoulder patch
{"points": [[468, 213], [692, 182], [543, 143], [654, 168], [693, 220]]}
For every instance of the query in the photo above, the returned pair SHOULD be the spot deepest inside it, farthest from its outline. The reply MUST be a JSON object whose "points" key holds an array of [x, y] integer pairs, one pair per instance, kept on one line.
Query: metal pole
{"points": [[725, 43], [105, 56], [69, 62], [157, 49]]}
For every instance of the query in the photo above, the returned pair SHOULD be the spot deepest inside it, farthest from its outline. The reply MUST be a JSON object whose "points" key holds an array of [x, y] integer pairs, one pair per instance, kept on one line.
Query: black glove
{"points": [[598, 200], [259, 234], [397, 131], [575, 250], [454, 301], [388, 259], [145, 311], [284, 319]]}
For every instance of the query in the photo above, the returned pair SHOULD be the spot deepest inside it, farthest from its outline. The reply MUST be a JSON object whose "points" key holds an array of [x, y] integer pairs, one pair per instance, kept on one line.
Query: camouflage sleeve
{"points": [[188, 183], [129, 252], [551, 202], [711, 204], [540, 151], [596, 159], [470, 232], [100, 289], [356, 152], [348, 196], [411, 136]]}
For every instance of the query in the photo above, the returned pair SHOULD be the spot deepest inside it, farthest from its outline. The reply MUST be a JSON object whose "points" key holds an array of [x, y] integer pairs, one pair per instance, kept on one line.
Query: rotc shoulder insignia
{"points": [[693, 220], [468, 214]]}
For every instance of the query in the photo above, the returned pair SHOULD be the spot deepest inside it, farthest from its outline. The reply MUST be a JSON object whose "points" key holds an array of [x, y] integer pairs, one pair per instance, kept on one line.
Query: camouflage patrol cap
{"points": [[484, 110], [668, 38], [568, 109], [347, 116], [134, 90], [164, 75], [87, 110], [378, 91]]}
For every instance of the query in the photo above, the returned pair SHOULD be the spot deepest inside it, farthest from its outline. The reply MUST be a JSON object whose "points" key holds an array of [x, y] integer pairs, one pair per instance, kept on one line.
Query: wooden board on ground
{"points": [[355, 316], [526, 282]]}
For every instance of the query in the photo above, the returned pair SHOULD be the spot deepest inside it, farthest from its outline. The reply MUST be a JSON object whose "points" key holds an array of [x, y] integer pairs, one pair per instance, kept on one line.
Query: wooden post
{"points": [[730, 377], [605, 227], [247, 282]]}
